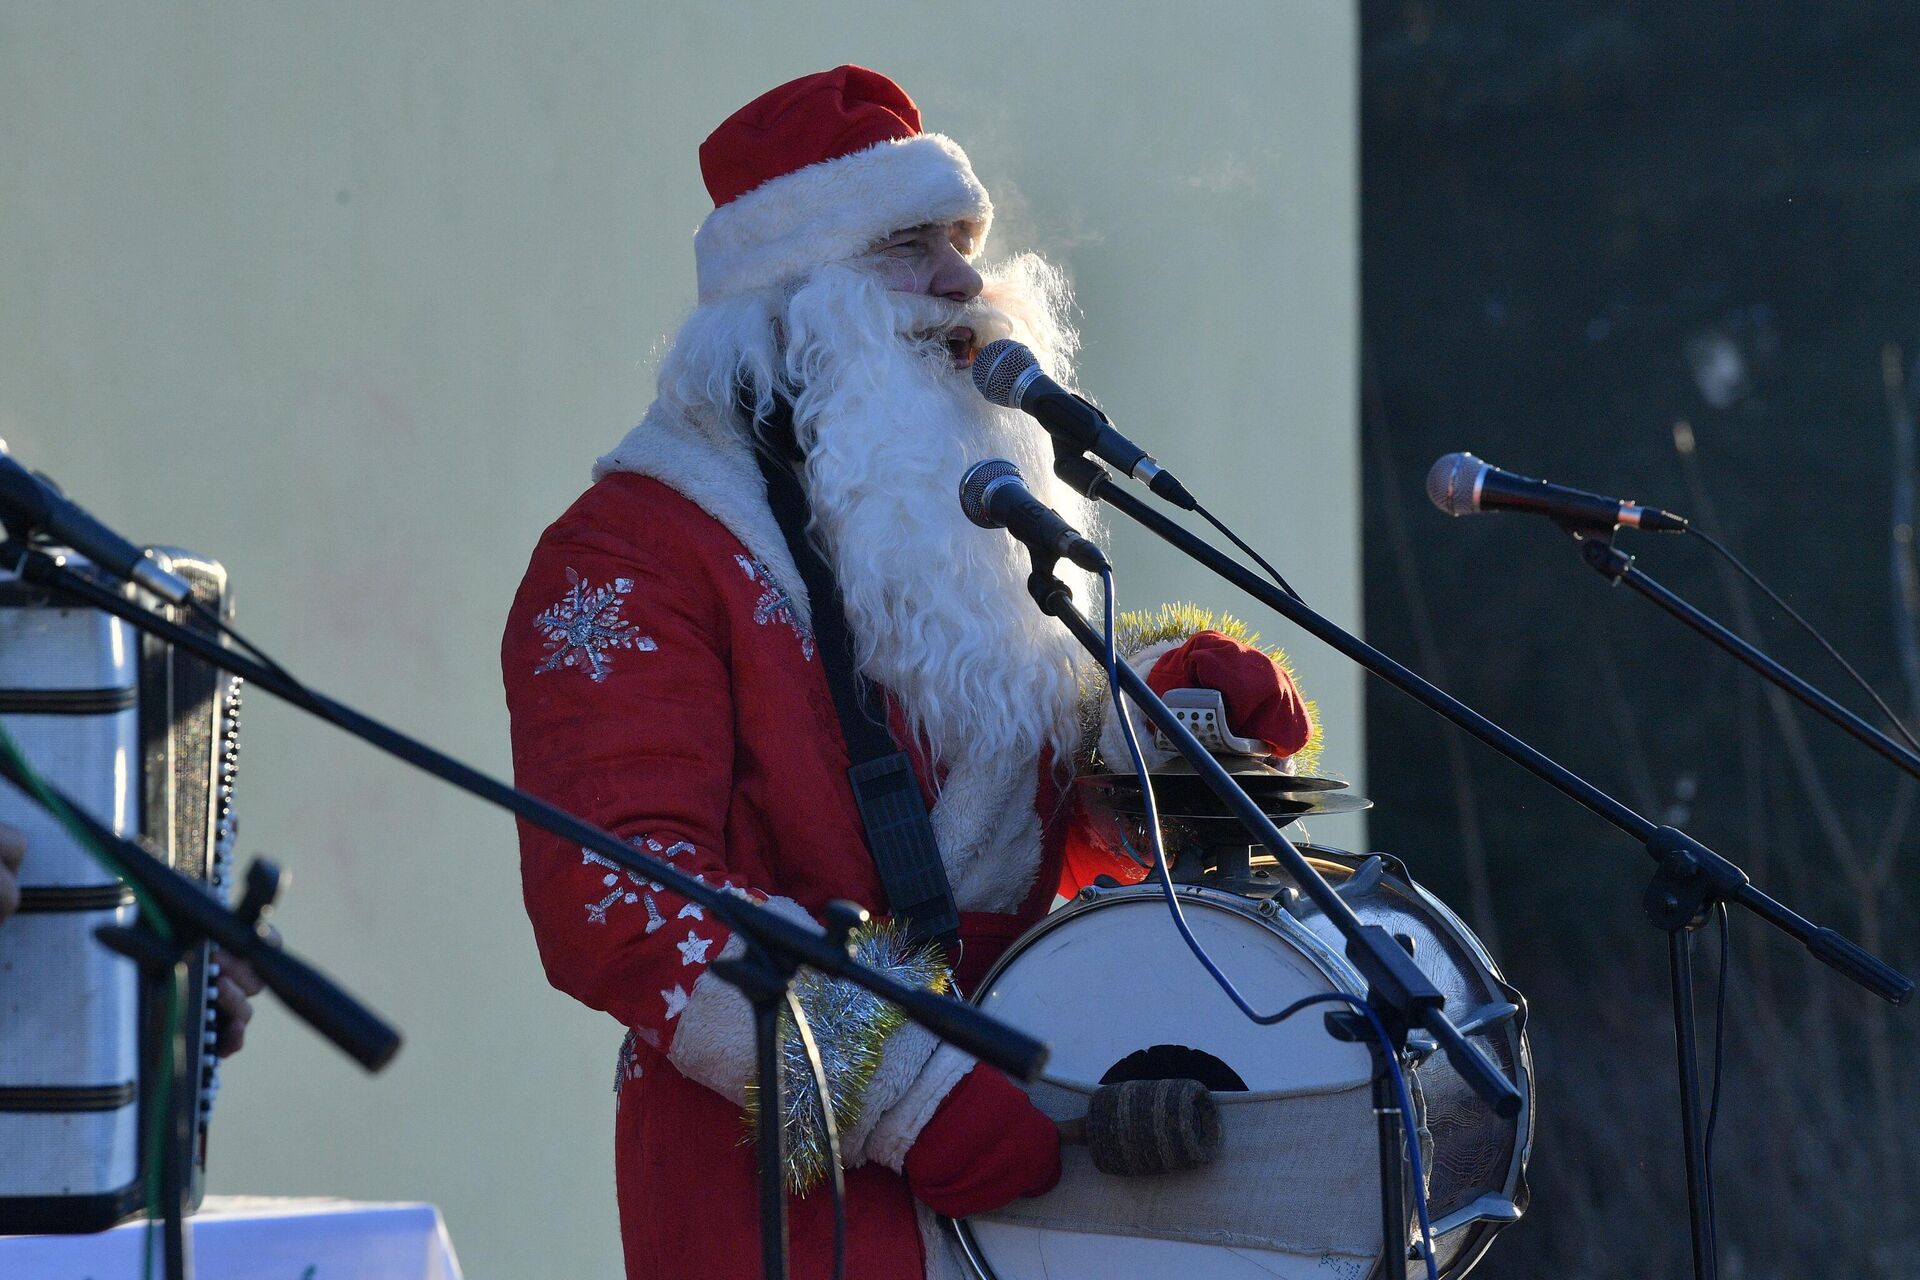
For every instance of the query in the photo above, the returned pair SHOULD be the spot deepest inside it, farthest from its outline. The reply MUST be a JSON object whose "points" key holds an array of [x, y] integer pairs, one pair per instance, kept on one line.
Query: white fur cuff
{"points": [[902, 1060], [893, 1136], [713, 1041]]}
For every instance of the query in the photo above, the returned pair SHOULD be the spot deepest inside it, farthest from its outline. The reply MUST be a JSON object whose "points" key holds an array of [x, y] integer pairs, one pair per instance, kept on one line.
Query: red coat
{"points": [[663, 684]]}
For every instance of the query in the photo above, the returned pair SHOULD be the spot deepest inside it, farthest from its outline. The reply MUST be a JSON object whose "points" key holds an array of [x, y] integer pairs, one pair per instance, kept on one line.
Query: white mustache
{"points": [[918, 316]]}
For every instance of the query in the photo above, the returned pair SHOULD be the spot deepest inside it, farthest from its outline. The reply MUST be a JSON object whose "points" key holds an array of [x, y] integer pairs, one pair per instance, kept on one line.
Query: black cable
{"points": [[1808, 627], [213, 619], [1258, 559], [1719, 1058], [1111, 660]]}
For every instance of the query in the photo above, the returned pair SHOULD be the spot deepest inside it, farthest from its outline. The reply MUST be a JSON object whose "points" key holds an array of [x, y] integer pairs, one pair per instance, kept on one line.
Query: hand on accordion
{"points": [[13, 850], [233, 1009]]}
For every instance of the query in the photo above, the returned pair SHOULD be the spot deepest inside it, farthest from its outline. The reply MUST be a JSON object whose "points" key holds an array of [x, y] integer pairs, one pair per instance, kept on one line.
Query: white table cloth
{"points": [[259, 1238]]}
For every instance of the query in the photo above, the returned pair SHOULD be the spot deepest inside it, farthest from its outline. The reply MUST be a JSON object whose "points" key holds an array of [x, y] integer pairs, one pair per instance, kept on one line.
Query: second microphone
{"points": [[995, 496]]}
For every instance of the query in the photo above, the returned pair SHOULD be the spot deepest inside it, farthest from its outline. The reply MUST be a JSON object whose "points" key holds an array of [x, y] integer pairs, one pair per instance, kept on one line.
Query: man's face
{"points": [[932, 260]]}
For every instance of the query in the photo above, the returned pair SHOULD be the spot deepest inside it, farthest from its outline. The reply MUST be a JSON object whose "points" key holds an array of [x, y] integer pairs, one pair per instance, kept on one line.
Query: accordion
{"points": [[143, 739]]}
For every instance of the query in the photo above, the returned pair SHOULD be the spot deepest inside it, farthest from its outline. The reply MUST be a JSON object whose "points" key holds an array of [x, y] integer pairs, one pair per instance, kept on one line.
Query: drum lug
{"points": [[1487, 1015], [1364, 878], [1488, 1208]]}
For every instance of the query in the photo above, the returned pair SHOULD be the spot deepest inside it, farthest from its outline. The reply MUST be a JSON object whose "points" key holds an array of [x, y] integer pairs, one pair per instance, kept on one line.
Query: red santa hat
{"points": [[817, 171]]}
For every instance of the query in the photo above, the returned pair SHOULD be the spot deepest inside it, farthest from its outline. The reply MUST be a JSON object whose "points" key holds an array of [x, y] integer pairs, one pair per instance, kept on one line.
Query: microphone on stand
{"points": [[29, 504], [1008, 374], [1461, 484], [994, 496]]}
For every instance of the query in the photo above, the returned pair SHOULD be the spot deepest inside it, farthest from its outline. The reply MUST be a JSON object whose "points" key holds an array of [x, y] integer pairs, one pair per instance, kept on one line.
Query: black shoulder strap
{"points": [[899, 833]]}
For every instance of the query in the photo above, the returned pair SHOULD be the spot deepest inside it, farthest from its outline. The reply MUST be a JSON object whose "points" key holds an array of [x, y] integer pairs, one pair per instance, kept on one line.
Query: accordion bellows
{"points": [[143, 741]]}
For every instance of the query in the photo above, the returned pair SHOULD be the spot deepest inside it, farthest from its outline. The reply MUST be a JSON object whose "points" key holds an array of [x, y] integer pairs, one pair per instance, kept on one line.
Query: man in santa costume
{"points": [[664, 682]]}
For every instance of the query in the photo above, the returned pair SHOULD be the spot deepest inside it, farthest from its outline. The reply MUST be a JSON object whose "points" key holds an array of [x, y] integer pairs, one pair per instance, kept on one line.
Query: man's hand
{"points": [[986, 1146], [237, 982], [13, 849]]}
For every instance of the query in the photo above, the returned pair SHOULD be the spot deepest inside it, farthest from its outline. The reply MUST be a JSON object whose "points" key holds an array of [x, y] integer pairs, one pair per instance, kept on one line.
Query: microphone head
{"points": [[1452, 481], [997, 368], [979, 478]]}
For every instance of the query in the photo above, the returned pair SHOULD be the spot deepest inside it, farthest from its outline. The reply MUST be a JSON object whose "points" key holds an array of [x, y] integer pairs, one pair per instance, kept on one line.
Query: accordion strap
{"points": [[899, 831]]}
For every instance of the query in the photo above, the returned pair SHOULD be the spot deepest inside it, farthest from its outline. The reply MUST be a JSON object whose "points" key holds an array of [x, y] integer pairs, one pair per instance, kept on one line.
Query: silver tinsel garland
{"points": [[850, 1025]]}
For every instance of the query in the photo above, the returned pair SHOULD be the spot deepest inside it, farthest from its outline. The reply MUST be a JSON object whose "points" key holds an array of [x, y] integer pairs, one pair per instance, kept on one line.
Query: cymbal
{"points": [[1183, 793], [1198, 810], [1177, 786]]}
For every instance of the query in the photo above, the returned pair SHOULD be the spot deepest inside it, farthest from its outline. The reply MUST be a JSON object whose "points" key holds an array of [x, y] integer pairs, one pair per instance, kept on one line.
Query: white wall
{"points": [[349, 296]]}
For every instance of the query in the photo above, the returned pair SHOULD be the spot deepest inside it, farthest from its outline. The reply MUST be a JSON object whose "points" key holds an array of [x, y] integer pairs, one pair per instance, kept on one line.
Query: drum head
{"points": [[1112, 987]]}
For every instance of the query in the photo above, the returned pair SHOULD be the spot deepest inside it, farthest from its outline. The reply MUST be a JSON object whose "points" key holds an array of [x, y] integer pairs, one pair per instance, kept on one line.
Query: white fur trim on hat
{"points": [[834, 210]]}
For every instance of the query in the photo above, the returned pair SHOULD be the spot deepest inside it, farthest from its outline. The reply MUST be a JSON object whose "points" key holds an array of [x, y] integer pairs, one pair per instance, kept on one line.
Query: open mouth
{"points": [[960, 348]]}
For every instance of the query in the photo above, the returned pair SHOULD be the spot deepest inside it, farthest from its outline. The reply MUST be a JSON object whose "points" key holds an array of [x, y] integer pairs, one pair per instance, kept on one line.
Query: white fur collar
{"points": [[709, 463], [984, 819]]}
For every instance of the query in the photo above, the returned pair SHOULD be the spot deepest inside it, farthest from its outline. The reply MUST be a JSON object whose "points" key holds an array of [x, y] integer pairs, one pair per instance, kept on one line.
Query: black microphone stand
{"points": [[1689, 877], [776, 946], [1617, 567], [1400, 993], [192, 917]]}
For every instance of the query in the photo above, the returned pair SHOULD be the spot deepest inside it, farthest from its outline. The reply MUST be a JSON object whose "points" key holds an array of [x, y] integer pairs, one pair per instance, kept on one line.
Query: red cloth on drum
{"points": [[1262, 700], [662, 686]]}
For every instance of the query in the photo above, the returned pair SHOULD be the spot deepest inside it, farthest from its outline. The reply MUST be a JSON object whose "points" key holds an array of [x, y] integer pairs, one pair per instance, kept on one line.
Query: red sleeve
{"points": [[621, 713]]}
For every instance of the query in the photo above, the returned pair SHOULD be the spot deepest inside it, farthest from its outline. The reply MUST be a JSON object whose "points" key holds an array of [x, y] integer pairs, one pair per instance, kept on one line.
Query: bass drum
{"points": [[1295, 1192]]}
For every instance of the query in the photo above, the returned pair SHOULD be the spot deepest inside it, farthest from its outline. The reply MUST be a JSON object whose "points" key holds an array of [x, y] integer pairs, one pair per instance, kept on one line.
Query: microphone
{"points": [[1461, 484], [29, 504], [1010, 375], [994, 496]]}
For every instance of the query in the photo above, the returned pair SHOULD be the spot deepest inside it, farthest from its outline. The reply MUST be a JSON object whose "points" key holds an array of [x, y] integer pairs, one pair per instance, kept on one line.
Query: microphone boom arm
{"points": [[1617, 567], [1849, 960]]}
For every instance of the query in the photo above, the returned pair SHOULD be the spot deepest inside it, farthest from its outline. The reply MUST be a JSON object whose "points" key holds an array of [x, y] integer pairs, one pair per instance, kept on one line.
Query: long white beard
{"points": [[938, 607]]}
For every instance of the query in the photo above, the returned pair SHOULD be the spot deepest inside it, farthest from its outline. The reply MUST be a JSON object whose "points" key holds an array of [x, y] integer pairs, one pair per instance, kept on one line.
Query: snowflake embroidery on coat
{"points": [[774, 604], [586, 625], [630, 892]]}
